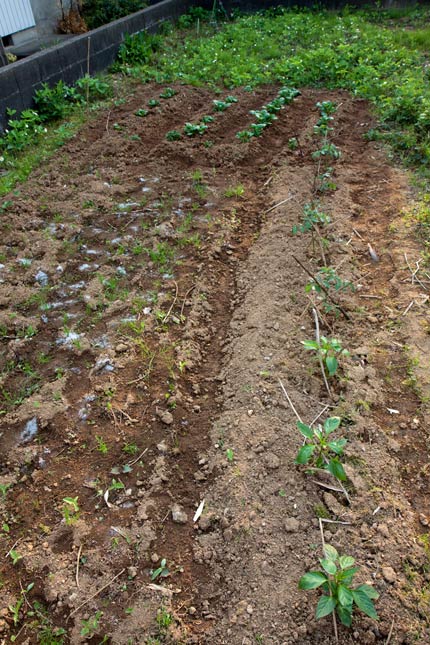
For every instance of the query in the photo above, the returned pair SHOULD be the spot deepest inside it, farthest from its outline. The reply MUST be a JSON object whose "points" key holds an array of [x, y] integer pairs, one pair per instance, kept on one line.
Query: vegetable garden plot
{"points": [[155, 288]]}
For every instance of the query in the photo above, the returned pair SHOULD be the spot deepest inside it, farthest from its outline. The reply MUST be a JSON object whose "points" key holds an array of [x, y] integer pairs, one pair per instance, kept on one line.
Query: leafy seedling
{"points": [[15, 556], [312, 217], [229, 454], [90, 626], [193, 129], [152, 103], [329, 349], [70, 509], [319, 450], [161, 572], [168, 93], [173, 135], [327, 150], [142, 112], [335, 581]]}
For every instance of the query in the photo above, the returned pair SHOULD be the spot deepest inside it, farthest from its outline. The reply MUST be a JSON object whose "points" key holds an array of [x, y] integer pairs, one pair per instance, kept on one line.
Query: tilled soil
{"points": [[153, 306]]}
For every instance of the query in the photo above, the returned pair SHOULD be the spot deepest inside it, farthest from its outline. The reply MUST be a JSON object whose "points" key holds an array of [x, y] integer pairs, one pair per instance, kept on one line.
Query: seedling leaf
{"points": [[330, 552], [325, 606], [363, 601], [304, 454], [347, 561], [345, 596], [336, 469], [312, 580], [331, 424], [305, 430]]}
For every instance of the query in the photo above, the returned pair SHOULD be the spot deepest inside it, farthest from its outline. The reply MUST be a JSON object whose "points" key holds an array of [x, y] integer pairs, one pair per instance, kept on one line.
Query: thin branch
{"points": [[390, 633], [78, 561], [284, 201], [320, 360], [185, 298], [173, 303], [290, 401]]}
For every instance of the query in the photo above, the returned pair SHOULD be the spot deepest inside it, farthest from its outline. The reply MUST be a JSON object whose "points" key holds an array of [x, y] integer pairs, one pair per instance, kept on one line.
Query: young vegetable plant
{"points": [[335, 581], [327, 278], [168, 93], [312, 217], [70, 509], [192, 129], [319, 450], [161, 572], [173, 135], [329, 349]]}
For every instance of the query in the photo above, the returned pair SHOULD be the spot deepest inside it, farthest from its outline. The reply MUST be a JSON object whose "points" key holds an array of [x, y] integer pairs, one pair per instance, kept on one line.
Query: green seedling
{"points": [[329, 349], [168, 93], [130, 448], [263, 116], [15, 556], [70, 509], [328, 280], [14, 609], [161, 572], [327, 150], [335, 581], [101, 445], [326, 108], [142, 112], [312, 217], [235, 191], [4, 489], [173, 135], [207, 119], [152, 103], [90, 626], [319, 450], [193, 129], [229, 454], [293, 143], [220, 106]]}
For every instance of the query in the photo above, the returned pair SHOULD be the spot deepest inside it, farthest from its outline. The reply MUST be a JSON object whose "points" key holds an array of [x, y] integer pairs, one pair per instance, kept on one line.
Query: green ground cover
{"points": [[378, 55]]}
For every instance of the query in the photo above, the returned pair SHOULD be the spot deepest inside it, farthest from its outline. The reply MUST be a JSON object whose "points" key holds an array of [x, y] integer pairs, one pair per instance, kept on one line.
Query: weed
{"points": [[234, 191], [90, 626], [230, 455], [15, 556], [338, 595], [318, 449], [101, 445], [70, 510], [130, 448]]}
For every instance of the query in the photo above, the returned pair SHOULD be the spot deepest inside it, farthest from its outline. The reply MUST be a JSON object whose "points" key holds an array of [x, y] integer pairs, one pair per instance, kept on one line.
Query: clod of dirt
{"points": [[389, 575], [178, 514], [165, 416]]}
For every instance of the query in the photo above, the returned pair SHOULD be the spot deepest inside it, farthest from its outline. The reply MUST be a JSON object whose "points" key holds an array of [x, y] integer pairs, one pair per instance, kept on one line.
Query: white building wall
{"points": [[15, 15]]}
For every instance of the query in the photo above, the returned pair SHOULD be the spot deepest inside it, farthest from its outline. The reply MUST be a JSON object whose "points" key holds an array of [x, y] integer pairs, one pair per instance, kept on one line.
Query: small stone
{"points": [[178, 514], [45, 545], [272, 461], [154, 558], [423, 519], [165, 416], [291, 525], [192, 610], [121, 348], [132, 572], [389, 575], [162, 447], [249, 610]]}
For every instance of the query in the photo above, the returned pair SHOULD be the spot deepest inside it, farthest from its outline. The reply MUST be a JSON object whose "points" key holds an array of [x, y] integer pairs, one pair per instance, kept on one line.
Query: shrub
{"points": [[100, 12]]}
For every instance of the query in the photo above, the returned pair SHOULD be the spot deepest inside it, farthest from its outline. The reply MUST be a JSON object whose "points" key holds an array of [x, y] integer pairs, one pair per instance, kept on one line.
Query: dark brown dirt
{"points": [[170, 313]]}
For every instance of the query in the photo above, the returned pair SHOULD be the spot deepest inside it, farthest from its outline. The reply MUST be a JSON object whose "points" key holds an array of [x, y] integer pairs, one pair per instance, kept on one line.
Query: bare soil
{"points": [[151, 303]]}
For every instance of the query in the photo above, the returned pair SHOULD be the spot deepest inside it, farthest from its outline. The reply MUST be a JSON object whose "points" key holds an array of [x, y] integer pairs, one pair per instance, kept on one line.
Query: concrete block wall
{"points": [[68, 61]]}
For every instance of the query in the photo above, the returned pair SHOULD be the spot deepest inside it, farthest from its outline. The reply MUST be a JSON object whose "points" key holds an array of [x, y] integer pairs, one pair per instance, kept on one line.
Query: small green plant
{"points": [[15, 556], [70, 509], [14, 609], [90, 626], [327, 150], [293, 143], [161, 572], [142, 112], [152, 103], [235, 191], [168, 93], [173, 135], [193, 129], [329, 349], [338, 595], [312, 217], [319, 450], [328, 280], [230, 455], [101, 445], [130, 448]]}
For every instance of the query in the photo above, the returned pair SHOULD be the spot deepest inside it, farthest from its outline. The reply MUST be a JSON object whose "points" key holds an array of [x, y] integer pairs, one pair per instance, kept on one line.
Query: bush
{"points": [[138, 49], [54, 103], [100, 12]]}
